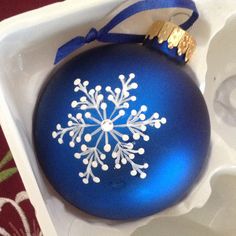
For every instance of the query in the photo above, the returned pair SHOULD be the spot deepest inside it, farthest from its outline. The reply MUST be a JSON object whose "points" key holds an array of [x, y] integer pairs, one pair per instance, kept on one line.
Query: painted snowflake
{"points": [[106, 126]]}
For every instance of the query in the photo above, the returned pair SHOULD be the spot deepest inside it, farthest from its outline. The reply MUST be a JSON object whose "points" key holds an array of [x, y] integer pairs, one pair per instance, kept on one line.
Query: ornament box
{"points": [[28, 43]]}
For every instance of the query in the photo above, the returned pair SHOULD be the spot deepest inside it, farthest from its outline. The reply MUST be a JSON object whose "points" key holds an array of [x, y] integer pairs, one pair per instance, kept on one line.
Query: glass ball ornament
{"points": [[122, 131]]}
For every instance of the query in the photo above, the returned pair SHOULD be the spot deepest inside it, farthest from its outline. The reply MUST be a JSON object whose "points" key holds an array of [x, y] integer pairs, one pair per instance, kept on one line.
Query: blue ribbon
{"points": [[103, 34]]}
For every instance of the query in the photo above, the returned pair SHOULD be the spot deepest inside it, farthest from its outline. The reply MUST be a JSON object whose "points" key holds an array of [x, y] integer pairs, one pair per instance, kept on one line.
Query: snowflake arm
{"points": [[92, 99], [121, 97], [92, 158], [125, 153], [137, 123], [75, 129]]}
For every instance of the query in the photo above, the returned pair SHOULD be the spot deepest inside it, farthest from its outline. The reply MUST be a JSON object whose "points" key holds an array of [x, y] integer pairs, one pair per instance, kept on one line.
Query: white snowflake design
{"points": [[105, 127]]}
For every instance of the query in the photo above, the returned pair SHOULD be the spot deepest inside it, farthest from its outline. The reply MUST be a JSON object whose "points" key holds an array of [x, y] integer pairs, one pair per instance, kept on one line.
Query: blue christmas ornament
{"points": [[121, 131]]}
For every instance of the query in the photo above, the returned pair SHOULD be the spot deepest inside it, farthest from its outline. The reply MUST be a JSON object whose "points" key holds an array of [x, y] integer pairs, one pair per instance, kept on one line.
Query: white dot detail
{"points": [[107, 125]]}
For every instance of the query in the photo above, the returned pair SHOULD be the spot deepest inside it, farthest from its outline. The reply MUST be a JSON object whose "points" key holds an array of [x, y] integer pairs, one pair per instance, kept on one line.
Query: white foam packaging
{"points": [[28, 43]]}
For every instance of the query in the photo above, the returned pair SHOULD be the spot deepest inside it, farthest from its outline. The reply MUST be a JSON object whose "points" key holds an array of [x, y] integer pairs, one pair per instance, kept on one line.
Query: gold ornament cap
{"points": [[172, 40]]}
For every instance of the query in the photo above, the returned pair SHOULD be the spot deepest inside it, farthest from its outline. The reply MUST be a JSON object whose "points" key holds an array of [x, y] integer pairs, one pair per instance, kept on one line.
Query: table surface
{"points": [[17, 215]]}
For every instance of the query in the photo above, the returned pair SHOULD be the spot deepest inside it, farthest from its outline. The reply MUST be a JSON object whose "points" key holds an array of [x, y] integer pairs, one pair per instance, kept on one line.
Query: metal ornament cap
{"points": [[172, 40]]}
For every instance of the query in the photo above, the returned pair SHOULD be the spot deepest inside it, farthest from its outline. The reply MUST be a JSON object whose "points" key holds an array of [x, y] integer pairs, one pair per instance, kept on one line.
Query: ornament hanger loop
{"points": [[91, 35], [104, 35]]}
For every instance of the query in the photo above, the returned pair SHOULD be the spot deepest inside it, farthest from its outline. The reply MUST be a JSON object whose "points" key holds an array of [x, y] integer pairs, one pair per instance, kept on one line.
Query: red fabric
{"points": [[3, 145], [12, 7], [15, 216], [10, 219]]}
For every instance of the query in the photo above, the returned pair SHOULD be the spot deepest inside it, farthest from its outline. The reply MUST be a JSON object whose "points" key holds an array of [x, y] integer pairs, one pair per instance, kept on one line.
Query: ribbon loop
{"points": [[103, 34], [91, 35]]}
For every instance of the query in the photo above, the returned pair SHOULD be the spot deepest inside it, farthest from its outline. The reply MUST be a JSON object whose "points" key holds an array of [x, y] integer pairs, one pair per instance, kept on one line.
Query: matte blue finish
{"points": [[176, 153]]}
